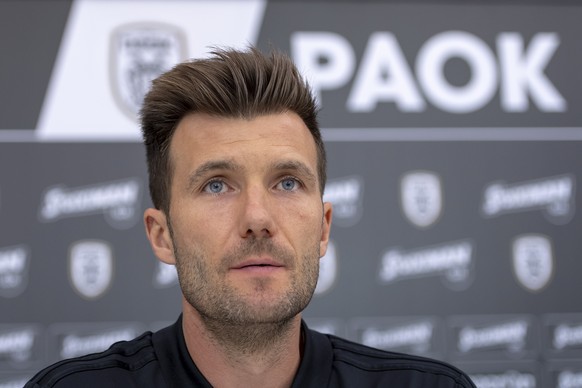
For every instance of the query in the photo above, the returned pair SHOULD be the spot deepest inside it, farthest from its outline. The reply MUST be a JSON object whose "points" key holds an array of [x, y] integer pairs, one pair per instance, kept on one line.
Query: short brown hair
{"points": [[229, 83]]}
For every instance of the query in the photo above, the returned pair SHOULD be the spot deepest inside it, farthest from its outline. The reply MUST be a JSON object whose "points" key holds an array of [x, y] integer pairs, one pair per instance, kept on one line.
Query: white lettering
{"points": [[74, 345], [508, 379], [12, 260], [327, 270], [569, 379], [345, 195], [347, 190], [60, 202], [165, 275], [565, 336], [324, 327], [13, 270], [417, 334], [430, 69], [512, 334], [522, 72], [16, 342], [384, 76], [424, 262], [553, 193], [326, 59], [18, 383]]}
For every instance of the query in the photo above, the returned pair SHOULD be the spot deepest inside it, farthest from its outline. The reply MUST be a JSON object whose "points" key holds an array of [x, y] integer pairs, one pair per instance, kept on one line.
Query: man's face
{"points": [[246, 218]]}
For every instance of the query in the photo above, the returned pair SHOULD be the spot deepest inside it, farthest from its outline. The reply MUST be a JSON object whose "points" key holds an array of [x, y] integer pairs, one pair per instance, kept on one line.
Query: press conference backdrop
{"points": [[454, 134]]}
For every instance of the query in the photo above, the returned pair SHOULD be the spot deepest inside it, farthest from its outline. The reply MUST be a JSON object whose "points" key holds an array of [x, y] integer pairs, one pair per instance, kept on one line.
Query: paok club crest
{"points": [[533, 262], [140, 53], [91, 267], [421, 197]]}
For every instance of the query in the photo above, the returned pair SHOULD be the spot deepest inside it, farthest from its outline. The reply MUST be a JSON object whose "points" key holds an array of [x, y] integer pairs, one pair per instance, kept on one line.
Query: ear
{"points": [[325, 228], [158, 232]]}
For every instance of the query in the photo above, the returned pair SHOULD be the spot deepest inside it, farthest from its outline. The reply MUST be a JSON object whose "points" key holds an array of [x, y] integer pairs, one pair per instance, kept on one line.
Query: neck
{"points": [[229, 355]]}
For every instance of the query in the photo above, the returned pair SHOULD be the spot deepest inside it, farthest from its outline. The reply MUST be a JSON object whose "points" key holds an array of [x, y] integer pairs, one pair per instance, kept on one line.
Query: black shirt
{"points": [[161, 359]]}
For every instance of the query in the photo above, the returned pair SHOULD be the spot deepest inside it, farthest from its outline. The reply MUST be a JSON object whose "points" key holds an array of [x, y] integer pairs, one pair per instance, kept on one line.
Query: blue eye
{"points": [[215, 187], [288, 184]]}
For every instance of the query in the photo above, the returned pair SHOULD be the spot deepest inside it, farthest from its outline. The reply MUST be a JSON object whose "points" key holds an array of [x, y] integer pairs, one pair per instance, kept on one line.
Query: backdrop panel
{"points": [[454, 145]]}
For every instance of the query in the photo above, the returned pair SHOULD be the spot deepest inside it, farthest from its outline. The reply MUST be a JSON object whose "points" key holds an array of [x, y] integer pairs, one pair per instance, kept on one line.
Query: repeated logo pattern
{"points": [[414, 225], [14, 268], [533, 261], [118, 201], [347, 196], [555, 195], [91, 267], [454, 261], [421, 195], [139, 53]]}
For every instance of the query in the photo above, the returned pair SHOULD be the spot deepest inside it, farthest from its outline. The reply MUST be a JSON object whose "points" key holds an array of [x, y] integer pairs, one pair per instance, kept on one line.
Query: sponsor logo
{"points": [[421, 197], [384, 75], [140, 53], [118, 200], [555, 195], [327, 270], [14, 262], [566, 336], [17, 345], [510, 335], [568, 379], [511, 379], [74, 345], [17, 382], [90, 268], [533, 262], [454, 261], [327, 326], [165, 275], [346, 195], [415, 336]]}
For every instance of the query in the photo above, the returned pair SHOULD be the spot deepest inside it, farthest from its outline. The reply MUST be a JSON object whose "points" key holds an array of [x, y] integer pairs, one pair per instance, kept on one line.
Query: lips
{"points": [[258, 263]]}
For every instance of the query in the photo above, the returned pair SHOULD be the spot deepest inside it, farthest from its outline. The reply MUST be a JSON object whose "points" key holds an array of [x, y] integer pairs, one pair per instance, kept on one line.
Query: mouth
{"points": [[262, 265]]}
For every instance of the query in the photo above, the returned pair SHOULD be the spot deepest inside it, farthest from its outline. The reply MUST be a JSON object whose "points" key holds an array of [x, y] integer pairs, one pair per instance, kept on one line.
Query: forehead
{"points": [[202, 137]]}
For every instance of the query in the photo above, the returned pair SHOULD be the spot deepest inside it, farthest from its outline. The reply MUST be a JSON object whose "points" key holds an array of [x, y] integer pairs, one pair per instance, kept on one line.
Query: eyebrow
{"points": [[300, 167], [209, 166]]}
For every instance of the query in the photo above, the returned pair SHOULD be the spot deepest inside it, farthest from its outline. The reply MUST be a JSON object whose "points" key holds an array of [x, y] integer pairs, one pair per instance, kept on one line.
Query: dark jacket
{"points": [[161, 360]]}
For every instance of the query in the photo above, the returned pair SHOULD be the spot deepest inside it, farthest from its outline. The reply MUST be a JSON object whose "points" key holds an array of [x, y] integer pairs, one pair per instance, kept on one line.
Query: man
{"points": [[237, 172]]}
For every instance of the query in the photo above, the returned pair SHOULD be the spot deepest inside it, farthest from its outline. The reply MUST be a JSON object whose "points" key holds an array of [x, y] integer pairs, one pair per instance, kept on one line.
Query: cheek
{"points": [[203, 214], [189, 227], [309, 221], [201, 228]]}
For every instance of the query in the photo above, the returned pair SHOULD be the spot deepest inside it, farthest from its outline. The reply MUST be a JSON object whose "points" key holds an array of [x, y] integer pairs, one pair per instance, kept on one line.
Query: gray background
{"points": [[49, 307]]}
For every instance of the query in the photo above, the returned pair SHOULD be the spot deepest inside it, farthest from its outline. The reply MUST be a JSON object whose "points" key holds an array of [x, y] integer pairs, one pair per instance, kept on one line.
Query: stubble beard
{"points": [[246, 324]]}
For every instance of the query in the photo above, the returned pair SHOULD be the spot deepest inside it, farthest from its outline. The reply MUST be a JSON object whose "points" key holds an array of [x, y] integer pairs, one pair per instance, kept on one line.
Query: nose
{"points": [[256, 214]]}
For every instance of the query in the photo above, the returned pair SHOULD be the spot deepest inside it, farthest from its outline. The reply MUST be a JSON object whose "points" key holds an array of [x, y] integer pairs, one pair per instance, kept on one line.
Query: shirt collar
{"points": [[180, 371], [316, 363], [177, 366]]}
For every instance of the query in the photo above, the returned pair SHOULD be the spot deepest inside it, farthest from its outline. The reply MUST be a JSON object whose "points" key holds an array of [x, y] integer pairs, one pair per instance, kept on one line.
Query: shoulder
{"points": [[352, 360], [122, 362]]}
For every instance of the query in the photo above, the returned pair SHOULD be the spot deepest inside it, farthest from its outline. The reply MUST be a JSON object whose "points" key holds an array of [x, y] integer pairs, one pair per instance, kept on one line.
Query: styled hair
{"points": [[232, 84]]}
